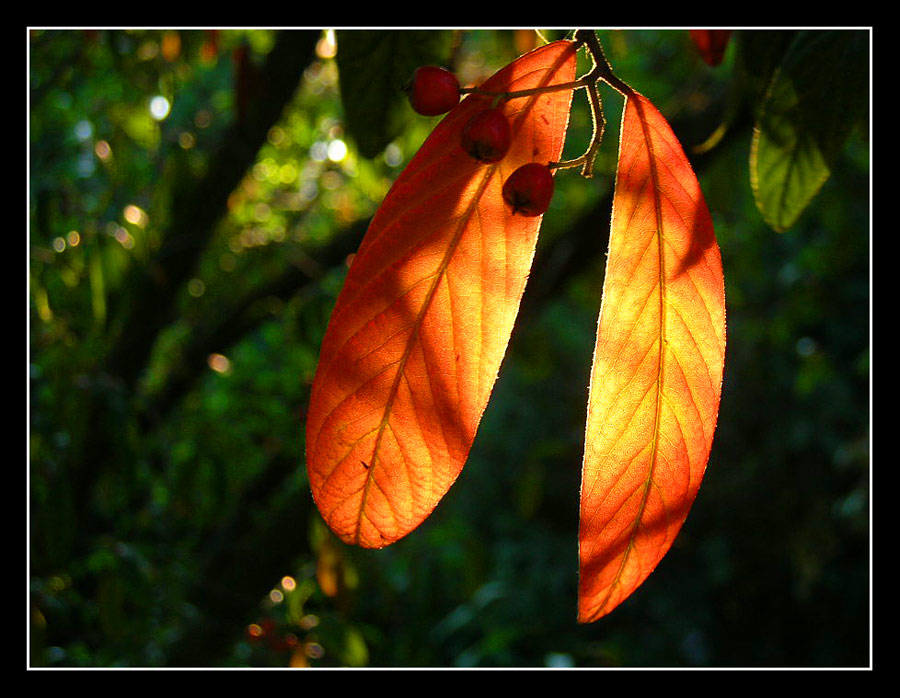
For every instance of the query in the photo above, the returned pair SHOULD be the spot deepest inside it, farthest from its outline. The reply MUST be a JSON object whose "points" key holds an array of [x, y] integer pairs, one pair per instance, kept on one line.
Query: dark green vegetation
{"points": [[181, 273]]}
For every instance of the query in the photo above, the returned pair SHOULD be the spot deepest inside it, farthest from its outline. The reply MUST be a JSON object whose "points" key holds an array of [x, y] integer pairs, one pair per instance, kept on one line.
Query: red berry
{"points": [[433, 90], [486, 137], [529, 189]]}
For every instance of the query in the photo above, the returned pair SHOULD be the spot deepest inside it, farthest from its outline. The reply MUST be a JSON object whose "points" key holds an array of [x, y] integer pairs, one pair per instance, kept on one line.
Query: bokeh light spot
{"points": [[337, 150], [196, 287], [393, 156], [318, 151], [159, 107], [123, 237], [135, 215], [218, 363], [103, 150], [84, 130], [327, 46], [203, 118], [314, 650]]}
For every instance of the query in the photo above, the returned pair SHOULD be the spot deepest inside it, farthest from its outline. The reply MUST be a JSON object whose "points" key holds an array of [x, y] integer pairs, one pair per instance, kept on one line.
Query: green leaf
{"points": [[816, 96], [373, 67]]}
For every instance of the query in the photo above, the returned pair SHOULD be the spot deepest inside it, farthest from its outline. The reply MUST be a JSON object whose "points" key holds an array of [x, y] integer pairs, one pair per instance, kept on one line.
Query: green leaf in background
{"points": [[816, 96], [373, 67]]}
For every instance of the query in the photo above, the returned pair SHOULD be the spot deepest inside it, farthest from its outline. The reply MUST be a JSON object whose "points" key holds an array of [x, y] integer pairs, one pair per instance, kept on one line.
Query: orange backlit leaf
{"points": [[419, 330], [658, 362]]}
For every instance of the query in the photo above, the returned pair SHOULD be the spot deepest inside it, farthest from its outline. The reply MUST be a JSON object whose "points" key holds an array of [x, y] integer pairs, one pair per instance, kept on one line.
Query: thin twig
{"points": [[601, 71]]}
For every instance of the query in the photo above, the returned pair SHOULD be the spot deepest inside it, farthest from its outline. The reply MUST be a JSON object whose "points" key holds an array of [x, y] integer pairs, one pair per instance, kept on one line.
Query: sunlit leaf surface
{"points": [[421, 325], [658, 361]]}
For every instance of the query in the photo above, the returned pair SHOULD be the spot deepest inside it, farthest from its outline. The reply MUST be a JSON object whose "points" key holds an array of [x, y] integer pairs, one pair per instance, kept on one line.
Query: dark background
{"points": [[182, 268]]}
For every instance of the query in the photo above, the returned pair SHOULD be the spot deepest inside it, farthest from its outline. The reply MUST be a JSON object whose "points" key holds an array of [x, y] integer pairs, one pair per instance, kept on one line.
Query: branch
{"points": [[224, 329], [198, 206], [148, 300], [245, 557]]}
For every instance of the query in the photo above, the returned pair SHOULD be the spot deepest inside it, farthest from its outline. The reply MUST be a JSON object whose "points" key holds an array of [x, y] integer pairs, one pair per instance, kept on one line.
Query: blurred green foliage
{"points": [[170, 519]]}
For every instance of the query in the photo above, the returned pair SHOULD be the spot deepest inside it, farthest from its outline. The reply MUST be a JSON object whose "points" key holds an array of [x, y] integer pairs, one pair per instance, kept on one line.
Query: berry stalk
{"points": [[600, 72]]}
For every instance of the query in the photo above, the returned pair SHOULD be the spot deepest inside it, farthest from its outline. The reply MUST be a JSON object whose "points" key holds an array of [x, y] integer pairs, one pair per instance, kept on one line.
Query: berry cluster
{"points": [[486, 137]]}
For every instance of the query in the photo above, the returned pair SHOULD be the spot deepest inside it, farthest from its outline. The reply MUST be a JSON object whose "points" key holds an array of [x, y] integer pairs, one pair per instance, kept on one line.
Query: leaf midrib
{"points": [[464, 220], [654, 446], [412, 341]]}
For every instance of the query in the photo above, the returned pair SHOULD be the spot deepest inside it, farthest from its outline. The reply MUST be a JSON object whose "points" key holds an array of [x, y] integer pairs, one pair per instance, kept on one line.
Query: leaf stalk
{"points": [[600, 72]]}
